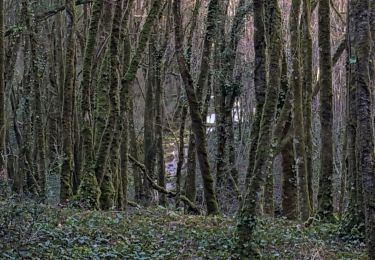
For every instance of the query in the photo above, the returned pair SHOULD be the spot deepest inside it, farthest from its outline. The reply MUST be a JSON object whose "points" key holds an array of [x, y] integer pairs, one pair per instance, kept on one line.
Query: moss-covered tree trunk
{"points": [[197, 122], [298, 120], [109, 150], [325, 198], [360, 56], [126, 117], [247, 219], [89, 190], [67, 117]]}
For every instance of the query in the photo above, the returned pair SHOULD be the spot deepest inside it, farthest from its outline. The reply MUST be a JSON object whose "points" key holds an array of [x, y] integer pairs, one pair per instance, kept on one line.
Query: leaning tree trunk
{"points": [[197, 122]]}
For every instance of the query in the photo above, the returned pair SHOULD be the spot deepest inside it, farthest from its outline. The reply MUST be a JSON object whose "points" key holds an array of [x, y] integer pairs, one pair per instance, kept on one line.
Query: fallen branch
{"points": [[170, 194]]}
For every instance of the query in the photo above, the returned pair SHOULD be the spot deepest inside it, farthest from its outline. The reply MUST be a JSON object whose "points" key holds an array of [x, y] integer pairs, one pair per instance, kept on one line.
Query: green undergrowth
{"points": [[34, 231]]}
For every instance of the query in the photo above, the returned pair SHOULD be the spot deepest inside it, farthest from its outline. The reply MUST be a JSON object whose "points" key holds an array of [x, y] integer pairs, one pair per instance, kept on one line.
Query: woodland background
{"points": [[260, 111]]}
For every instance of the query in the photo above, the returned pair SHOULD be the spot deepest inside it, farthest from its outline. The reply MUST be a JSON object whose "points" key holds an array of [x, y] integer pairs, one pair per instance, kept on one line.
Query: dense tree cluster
{"points": [[105, 104]]}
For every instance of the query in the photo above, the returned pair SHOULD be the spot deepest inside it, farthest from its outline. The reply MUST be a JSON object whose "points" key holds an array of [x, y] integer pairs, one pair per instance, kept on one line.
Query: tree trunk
{"points": [[89, 190], [364, 146], [325, 199], [67, 117], [3, 173], [307, 59], [299, 142], [259, 81], [247, 216], [197, 122]]}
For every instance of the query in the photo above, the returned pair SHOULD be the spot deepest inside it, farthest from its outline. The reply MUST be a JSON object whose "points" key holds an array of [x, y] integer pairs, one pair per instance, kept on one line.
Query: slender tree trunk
{"points": [[299, 142], [181, 156], [307, 59], [159, 126], [149, 124], [190, 182]]}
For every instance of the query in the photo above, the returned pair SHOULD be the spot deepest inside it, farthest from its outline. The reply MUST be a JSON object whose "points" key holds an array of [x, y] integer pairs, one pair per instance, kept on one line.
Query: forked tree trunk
{"points": [[248, 214]]}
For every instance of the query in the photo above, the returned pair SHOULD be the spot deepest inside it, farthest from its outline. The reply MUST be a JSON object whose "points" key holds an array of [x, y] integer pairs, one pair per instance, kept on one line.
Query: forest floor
{"points": [[34, 231]]}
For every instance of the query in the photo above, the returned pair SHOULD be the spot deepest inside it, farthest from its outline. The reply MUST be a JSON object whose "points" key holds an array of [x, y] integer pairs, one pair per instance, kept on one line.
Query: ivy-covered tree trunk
{"points": [[247, 219], [110, 144], [260, 81], [197, 122], [67, 117], [298, 126], [325, 199], [36, 61]]}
